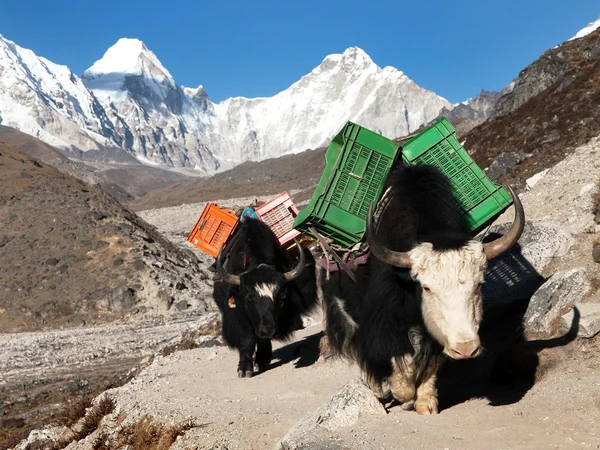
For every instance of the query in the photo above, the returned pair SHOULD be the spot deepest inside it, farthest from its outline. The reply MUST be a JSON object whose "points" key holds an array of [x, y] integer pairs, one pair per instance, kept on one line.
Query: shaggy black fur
{"points": [[256, 255], [386, 305]]}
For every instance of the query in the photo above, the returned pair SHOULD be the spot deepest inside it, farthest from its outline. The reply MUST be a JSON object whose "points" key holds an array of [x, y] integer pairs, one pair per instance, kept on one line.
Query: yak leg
{"points": [[245, 366], [427, 401], [402, 382], [264, 354]]}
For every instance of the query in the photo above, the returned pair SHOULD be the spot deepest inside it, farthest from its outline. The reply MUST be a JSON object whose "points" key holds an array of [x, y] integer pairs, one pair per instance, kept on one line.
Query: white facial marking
{"points": [[266, 290], [451, 296]]}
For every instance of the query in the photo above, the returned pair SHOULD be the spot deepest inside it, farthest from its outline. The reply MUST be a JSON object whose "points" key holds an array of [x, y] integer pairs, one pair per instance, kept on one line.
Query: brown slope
{"points": [[70, 254], [271, 176], [29, 145], [553, 109]]}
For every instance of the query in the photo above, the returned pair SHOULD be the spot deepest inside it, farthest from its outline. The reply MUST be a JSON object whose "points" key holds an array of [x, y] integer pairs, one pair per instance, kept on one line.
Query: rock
{"points": [[121, 298], [181, 305], [51, 262], [118, 261], [596, 252], [46, 438], [502, 164], [553, 299], [164, 300], [516, 274], [589, 319], [531, 182], [180, 286], [344, 408], [138, 264], [97, 215]]}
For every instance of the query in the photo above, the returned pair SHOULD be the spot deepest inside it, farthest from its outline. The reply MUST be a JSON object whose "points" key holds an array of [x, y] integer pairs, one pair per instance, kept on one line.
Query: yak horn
{"points": [[398, 259], [296, 271], [227, 277], [502, 244]]}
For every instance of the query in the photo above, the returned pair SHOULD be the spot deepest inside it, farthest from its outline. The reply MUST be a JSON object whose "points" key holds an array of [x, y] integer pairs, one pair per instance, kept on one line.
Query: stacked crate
{"points": [[358, 162]]}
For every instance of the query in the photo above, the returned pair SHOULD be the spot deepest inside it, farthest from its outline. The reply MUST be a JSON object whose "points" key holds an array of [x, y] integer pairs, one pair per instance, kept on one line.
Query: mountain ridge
{"points": [[130, 101]]}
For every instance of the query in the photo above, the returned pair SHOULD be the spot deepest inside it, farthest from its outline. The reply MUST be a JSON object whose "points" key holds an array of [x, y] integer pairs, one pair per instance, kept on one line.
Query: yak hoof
{"points": [[426, 406], [408, 406], [245, 374], [260, 367]]}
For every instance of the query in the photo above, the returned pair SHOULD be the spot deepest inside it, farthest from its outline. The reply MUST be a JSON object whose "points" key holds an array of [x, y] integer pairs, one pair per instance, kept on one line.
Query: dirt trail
{"points": [[562, 410], [202, 384]]}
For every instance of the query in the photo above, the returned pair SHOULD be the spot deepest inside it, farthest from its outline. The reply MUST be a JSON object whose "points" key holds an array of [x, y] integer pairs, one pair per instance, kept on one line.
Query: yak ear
{"points": [[403, 274]]}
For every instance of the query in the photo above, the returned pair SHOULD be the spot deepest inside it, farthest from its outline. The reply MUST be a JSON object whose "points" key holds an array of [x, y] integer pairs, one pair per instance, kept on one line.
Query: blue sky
{"points": [[260, 47]]}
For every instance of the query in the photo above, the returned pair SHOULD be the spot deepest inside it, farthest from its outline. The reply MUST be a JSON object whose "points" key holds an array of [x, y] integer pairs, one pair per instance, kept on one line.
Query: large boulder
{"points": [[517, 274], [343, 409], [502, 164], [552, 300]]}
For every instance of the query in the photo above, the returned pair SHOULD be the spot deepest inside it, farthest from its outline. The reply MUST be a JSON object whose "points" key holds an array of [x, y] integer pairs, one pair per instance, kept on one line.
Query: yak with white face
{"points": [[418, 298], [451, 295]]}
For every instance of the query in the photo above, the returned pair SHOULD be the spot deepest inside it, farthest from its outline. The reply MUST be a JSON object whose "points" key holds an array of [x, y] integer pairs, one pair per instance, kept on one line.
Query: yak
{"points": [[258, 299], [417, 300]]}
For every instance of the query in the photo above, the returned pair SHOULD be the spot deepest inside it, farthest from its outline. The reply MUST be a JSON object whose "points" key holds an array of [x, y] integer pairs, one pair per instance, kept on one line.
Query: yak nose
{"points": [[465, 350], [266, 332]]}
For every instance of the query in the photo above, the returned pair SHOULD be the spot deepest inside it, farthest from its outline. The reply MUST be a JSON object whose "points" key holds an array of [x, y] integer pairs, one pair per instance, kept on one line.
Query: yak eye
{"points": [[427, 289]]}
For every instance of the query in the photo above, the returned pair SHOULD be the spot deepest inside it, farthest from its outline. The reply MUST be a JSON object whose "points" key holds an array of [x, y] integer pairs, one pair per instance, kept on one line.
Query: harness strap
{"points": [[338, 260]]}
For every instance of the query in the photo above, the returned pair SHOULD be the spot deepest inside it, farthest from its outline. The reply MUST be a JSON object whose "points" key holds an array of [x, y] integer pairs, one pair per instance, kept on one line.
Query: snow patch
{"points": [[590, 28]]}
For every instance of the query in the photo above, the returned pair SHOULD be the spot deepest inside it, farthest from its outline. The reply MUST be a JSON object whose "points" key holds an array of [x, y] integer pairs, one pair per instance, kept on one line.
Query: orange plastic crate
{"points": [[213, 228], [279, 213]]}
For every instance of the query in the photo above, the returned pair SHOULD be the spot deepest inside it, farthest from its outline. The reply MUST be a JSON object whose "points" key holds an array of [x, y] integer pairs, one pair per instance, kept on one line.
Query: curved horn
{"points": [[398, 259], [296, 271], [502, 244], [227, 277]]}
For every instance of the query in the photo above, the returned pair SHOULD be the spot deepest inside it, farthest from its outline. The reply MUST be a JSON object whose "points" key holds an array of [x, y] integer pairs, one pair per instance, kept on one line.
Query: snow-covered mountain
{"points": [[129, 100], [155, 119], [48, 101]]}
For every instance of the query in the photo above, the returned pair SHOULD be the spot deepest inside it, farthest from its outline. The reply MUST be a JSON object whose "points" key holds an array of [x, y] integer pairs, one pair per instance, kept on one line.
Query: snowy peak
{"points": [[356, 57], [590, 28], [353, 59], [131, 57], [129, 67]]}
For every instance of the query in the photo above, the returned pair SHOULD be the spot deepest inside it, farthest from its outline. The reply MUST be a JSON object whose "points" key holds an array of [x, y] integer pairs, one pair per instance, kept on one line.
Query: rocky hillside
{"points": [[72, 255], [551, 109]]}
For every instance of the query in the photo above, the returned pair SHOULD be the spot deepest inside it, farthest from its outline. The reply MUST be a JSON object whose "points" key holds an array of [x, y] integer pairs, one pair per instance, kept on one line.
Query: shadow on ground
{"points": [[306, 352]]}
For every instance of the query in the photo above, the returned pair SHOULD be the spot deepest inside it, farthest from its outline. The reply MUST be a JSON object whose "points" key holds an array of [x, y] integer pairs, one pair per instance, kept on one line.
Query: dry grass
{"points": [[149, 434], [74, 410], [101, 442], [92, 419]]}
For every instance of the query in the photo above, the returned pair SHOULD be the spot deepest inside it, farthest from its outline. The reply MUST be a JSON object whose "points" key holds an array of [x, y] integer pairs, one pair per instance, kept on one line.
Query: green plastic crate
{"points": [[357, 163], [481, 200]]}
